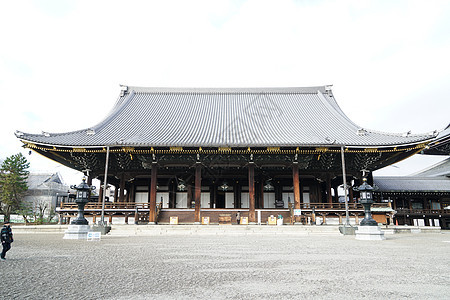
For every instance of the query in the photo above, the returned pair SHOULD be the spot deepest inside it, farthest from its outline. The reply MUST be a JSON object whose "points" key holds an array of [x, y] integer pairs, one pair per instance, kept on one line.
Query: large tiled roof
{"points": [[245, 117], [412, 184]]}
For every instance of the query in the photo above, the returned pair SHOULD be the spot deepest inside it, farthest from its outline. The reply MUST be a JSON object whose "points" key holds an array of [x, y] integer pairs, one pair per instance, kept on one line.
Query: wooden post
{"points": [[214, 196], [100, 192], [136, 216], [350, 193], [122, 188], [329, 197], [251, 192], [198, 190], [132, 192], [296, 182], [152, 194], [237, 195], [172, 193], [116, 193], [261, 193], [336, 196], [126, 219]]}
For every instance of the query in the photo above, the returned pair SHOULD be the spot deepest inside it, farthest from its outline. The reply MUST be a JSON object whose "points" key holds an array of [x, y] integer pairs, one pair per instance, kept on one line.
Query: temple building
{"points": [[202, 155]]}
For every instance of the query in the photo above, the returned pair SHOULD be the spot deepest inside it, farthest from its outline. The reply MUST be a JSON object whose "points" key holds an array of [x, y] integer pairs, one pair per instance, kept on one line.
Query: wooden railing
{"points": [[307, 206], [113, 205], [422, 211]]}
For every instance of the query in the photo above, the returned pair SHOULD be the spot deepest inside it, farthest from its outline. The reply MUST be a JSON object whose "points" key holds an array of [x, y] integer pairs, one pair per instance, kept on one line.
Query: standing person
{"points": [[6, 238], [238, 217]]}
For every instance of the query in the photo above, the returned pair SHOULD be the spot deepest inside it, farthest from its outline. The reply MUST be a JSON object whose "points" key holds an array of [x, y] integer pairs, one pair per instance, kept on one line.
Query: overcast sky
{"points": [[61, 62]]}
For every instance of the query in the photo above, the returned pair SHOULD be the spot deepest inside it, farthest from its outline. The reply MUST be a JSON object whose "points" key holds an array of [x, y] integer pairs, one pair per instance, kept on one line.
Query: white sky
{"points": [[61, 62]]}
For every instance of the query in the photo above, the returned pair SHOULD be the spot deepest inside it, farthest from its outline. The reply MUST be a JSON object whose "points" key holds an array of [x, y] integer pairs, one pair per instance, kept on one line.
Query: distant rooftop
{"points": [[412, 184]]}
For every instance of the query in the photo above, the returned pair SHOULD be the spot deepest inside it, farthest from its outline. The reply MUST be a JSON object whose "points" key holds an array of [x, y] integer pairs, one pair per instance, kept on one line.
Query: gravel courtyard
{"points": [[44, 266]]}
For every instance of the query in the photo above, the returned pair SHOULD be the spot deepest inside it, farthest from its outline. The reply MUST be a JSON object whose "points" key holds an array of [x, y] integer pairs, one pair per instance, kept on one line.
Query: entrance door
{"points": [[204, 200], [306, 200], [181, 200], [269, 200], [141, 197], [164, 198], [288, 198], [245, 200], [220, 199], [229, 200]]}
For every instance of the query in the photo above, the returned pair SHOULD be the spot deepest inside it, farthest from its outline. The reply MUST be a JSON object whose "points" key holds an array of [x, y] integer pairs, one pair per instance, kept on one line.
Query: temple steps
{"points": [[131, 230]]}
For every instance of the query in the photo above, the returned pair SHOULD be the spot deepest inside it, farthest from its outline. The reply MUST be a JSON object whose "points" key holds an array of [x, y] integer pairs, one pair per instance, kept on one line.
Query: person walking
{"points": [[238, 217], [6, 238]]}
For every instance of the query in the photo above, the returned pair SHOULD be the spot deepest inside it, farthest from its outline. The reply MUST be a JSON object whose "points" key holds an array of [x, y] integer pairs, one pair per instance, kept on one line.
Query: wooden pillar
{"points": [[329, 197], [94, 219], [116, 193], [198, 190], [126, 219], [189, 195], [213, 196], [122, 188], [172, 193], [319, 193], [100, 192], [261, 193], [152, 194], [251, 192], [336, 196], [296, 182], [237, 195], [132, 192], [350, 193], [110, 219]]}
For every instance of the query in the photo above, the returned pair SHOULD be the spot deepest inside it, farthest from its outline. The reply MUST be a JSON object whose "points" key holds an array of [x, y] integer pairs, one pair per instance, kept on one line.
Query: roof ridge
{"points": [[230, 90]]}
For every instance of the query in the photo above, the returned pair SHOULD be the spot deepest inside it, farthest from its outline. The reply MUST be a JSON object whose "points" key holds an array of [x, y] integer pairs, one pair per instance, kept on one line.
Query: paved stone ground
{"points": [[409, 266]]}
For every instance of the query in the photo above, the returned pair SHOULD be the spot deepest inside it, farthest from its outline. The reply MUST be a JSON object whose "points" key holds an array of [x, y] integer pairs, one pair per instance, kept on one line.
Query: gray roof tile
{"points": [[225, 117]]}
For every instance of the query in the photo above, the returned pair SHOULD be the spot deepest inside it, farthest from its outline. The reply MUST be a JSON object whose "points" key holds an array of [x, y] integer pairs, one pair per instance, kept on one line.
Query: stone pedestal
{"points": [[347, 230], [369, 233], [103, 229], [77, 232]]}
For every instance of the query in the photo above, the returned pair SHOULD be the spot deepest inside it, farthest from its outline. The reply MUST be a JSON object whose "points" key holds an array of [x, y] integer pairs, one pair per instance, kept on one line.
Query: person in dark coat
{"points": [[6, 238]]}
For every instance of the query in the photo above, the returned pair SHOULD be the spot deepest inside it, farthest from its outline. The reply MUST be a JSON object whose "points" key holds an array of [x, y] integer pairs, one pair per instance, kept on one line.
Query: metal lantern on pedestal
{"points": [[366, 199], [82, 197]]}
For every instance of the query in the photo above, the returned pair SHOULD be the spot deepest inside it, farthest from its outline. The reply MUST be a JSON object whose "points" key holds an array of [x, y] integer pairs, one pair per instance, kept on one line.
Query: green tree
{"points": [[13, 183]]}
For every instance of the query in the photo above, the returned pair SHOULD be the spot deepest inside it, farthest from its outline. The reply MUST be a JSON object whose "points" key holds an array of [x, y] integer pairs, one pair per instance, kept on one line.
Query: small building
{"points": [[43, 192]]}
